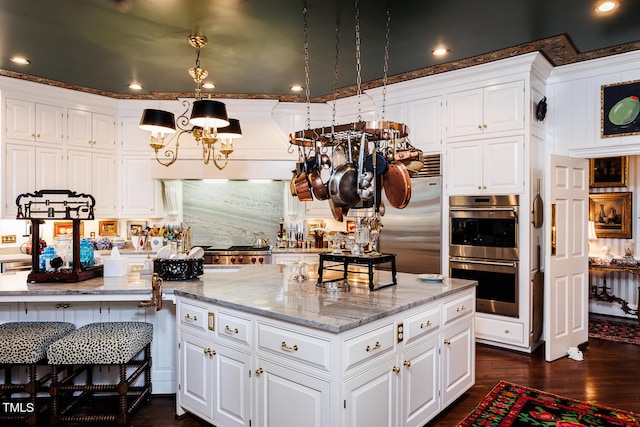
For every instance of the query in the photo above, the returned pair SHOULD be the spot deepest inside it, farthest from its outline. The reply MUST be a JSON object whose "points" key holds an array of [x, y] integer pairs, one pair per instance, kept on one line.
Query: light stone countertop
{"points": [[266, 290]]}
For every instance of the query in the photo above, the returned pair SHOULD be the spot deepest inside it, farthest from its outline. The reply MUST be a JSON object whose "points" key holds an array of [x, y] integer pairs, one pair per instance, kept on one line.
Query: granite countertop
{"points": [[267, 290]]}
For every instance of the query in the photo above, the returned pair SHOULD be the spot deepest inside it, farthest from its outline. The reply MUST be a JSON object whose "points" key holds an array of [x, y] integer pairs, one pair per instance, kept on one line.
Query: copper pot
{"points": [[318, 187], [397, 185], [303, 190]]}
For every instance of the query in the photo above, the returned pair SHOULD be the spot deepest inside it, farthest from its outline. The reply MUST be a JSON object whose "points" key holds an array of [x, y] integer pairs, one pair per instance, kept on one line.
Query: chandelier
{"points": [[208, 122]]}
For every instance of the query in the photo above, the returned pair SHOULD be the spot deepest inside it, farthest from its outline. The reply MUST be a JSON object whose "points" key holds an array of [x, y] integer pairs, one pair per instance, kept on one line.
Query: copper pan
{"points": [[319, 188], [397, 185], [303, 190], [292, 184], [336, 210]]}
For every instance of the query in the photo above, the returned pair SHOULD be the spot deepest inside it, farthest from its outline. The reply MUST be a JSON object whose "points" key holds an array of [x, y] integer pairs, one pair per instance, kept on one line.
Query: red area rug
{"points": [[511, 405], [615, 331]]}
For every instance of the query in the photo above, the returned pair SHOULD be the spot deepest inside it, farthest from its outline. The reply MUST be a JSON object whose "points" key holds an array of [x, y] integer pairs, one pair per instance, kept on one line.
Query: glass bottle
{"points": [[63, 249], [86, 253], [45, 258]]}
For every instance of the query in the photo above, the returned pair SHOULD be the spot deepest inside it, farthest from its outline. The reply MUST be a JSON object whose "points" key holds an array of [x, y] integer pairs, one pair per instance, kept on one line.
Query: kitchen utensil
{"points": [[538, 297], [412, 158], [303, 189], [537, 212], [336, 211], [365, 186], [261, 242], [397, 185], [380, 163], [343, 184]]}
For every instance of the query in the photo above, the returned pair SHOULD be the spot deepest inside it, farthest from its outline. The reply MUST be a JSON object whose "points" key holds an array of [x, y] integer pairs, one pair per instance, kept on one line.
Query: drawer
{"points": [[310, 350], [233, 328], [368, 346], [421, 325], [457, 308], [499, 330], [193, 316]]}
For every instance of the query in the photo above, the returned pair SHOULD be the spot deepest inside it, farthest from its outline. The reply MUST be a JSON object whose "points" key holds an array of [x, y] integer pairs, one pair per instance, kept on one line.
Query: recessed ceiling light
{"points": [[606, 6], [20, 60], [440, 51], [135, 86], [208, 85], [297, 88]]}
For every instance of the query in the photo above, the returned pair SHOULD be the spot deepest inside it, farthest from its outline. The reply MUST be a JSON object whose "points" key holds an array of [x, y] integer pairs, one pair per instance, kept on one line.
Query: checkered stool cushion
{"points": [[27, 342], [101, 344]]}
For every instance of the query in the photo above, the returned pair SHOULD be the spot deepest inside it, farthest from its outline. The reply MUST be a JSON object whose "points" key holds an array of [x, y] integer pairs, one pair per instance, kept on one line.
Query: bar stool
{"points": [[123, 344], [25, 344]]}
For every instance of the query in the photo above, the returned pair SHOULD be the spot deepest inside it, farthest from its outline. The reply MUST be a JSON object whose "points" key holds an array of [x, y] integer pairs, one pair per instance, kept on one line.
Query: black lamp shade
{"points": [[208, 113], [231, 131], [158, 121]]}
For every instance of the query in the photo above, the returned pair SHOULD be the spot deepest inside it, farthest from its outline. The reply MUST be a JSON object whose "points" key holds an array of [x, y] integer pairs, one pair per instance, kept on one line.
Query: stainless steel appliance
{"points": [[414, 233], [237, 255], [483, 246]]}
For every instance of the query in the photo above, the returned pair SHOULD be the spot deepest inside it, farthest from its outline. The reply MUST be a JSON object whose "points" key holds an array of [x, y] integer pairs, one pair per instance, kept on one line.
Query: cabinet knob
{"points": [[425, 325], [506, 331], [407, 363], [188, 317], [479, 126], [479, 187], [284, 346], [461, 308], [375, 347], [447, 342], [484, 125], [209, 352], [37, 135], [396, 369], [259, 371]]}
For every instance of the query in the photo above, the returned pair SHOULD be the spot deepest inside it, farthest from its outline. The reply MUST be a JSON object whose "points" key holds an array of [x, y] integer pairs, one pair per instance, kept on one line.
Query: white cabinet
{"points": [[94, 173], [285, 258], [491, 166], [425, 124], [79, 313], [30, 121], [420, 374], [317, 209], [135, 139], [289, 397], [141, 195], [486, 110], [371, 398], [91, 130], [214, 378], [29, 168]]}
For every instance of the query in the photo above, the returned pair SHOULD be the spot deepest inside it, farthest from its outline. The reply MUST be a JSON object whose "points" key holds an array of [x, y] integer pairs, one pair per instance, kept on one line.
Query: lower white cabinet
{"points": [[290, 397], [242, 369]]}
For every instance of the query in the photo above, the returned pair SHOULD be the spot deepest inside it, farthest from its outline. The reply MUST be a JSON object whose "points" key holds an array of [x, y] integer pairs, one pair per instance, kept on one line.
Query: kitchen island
{"points": [[254, 344]]}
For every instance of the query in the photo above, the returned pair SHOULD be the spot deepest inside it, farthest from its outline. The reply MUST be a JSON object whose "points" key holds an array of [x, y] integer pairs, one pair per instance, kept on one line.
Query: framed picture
{"points": [[135, 228], [351, 226], [66, 228], [108, 228], [619, 109], [609, 172], [611, 214]]}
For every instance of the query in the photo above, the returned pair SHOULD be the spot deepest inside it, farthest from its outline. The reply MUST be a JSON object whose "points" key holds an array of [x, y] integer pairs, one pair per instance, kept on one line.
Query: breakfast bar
{"points": [[253, 342]]}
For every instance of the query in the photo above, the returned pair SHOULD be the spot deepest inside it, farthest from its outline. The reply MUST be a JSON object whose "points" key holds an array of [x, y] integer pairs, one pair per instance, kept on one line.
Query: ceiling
{"points": [[256, 47]]}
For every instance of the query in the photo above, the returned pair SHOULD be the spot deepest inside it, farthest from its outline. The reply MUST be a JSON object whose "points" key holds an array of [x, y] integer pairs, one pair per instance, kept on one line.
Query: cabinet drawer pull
{"points": [[375, 347], [447, 342], [228, 330], [284, 346], [425, 325], [188, 317], [461, 308], [259, 371], [209, 352], [396, 369], [506, 331], [407, 363]]}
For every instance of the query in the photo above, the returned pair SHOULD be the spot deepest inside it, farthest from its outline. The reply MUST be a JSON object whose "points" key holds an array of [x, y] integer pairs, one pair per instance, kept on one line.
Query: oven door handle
{"points": [[497, 263]]}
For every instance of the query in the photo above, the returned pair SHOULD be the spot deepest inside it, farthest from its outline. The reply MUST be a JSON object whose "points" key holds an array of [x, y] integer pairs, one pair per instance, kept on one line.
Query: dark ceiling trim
{"points": [[559, 50]]}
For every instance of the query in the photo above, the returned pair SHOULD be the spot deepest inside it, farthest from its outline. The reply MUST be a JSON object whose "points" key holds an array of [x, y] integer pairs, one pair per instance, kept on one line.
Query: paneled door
{"points": [[566, 296]]}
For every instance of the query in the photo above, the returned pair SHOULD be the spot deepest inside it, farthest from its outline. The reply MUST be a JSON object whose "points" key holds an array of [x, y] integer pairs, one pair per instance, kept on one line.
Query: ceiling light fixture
{"points": [[209, 122], [606, 6], [440, 51], [20, 60], [297, 88], [135, 86]]}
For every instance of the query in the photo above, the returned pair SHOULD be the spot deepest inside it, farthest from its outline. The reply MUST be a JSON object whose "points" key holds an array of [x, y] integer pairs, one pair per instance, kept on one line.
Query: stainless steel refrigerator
{"points": [[414, 233]]}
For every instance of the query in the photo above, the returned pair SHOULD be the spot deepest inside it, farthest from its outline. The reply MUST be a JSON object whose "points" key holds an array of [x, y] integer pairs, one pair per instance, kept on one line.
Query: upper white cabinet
{"points": [[425, 124], [488, 166], [140, 194], [134, 138], [30, 121], [486, 110], [94, 173], [91, 130]]}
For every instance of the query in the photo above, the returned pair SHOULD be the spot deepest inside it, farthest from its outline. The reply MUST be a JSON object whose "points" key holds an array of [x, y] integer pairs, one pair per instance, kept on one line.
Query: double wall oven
{"points": [[483, 246]]}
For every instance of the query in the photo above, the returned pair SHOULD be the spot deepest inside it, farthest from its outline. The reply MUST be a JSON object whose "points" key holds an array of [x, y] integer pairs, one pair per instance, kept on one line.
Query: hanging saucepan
{"points": [[301, 182], [292, 184], [397, 185], [412, 158], [336, 211], [319, 188], [343, 184]]}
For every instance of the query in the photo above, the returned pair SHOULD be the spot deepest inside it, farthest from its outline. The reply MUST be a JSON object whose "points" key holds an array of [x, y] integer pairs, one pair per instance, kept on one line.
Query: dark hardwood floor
{"points": [[609, 375]]}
